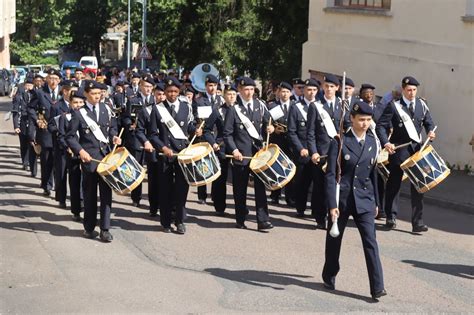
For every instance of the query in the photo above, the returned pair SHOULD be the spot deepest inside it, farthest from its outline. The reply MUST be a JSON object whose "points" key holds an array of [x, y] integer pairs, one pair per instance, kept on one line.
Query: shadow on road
{"points": [[277, 281], [462, 271]]}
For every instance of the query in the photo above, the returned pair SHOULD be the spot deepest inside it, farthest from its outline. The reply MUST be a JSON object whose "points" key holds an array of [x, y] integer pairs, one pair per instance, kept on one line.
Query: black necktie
{"points": [[361, 142], [285, 109], [213, 99], [53, 96], [411, 108], [249, 108], [173, 112], [95, 113]]}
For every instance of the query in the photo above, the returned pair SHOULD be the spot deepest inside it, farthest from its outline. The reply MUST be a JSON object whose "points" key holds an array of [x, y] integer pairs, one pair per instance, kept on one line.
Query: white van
{"points": [[89, 62]]}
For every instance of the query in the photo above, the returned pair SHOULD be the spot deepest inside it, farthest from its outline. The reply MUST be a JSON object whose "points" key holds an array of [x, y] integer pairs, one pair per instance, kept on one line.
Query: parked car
{"points": [[5, 82], [37, 69], [70, 64], [89, 62], [21, 74]]}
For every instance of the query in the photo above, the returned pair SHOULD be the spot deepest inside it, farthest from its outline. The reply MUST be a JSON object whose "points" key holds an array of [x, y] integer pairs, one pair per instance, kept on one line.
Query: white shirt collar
{"points": [[308, 101], [358, 139], [408, 101], [333, 100]]}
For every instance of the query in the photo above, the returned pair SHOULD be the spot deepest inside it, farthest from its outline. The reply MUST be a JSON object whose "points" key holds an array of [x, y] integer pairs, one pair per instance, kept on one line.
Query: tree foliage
{"points": [[260, 37]]}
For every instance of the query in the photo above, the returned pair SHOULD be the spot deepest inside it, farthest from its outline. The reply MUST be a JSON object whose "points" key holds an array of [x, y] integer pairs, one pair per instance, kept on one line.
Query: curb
{"points": [[465, 208]]}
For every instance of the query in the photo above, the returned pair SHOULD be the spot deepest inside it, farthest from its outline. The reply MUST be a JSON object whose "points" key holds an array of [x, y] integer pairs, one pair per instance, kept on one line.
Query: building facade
{"points": [[7, 27], [381, 41]]}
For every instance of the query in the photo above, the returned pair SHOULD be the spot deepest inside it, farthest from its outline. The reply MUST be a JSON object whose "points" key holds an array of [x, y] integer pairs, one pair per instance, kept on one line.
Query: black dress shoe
{"points": [[241, 226], [321, 225], [46, 192], [180, 228], [265, 226], [136, 204], [330, 285], [381, 215], [290, 203], [274, 201], [379, 294], [420, 228], [167, 229], [202, 201], [391, 223], [89, 234], [153, 214], [62, 205], [76, 218], [220, 213], [105, 236]]}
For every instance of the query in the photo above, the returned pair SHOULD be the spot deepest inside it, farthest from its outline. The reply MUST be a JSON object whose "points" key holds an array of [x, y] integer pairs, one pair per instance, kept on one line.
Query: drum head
{"points": [[195, 152], [112, 161], [262, 157]]}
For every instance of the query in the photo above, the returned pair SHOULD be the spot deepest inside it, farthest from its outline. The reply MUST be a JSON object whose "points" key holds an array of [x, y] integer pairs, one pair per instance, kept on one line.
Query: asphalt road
{"points": [[47, 267]]}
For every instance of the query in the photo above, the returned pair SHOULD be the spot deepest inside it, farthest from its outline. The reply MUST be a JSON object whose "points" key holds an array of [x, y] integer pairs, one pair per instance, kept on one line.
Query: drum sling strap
{"points": [[328, 124], [247, 123], [92, 125], [170, 123], [407, 122]]}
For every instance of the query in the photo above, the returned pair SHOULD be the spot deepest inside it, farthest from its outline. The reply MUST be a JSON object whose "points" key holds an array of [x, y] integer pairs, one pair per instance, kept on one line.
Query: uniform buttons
{"points": [[354, 187], [365, 188], [355, 176], [357, 165]]}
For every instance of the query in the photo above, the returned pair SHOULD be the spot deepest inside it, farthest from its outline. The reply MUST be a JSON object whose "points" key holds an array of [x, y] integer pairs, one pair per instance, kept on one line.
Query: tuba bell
{"points": [[199, 74]]}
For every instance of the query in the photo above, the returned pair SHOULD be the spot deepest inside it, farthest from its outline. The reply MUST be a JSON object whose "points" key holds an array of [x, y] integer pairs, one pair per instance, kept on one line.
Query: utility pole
{"points": [[128, 37], [144, 31]]}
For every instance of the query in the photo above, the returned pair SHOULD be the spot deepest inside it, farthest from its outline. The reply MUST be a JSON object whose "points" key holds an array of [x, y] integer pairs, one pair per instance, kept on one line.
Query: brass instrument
{"points": [[42, 122]]}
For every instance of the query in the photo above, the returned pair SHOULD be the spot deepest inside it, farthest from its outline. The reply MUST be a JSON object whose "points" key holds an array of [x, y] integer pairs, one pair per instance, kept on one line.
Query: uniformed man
{"points": [[325, 118], [349, 93], [357, 196], [246, 125], [97, 129], [20, 124], [214, 135], [297, 132], [279, 112], [153, 161], [171, 124], [367, 94], [62, 107], [202, 109], [79, 77], [407, 118], [40, 107], [73, 164], [133, 89], [297, 92], [142, 99]]}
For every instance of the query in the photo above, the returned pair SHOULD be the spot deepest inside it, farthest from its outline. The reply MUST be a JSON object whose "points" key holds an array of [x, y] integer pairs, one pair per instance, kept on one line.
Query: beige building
{"points": [[381, 41], [7, 27], [114, 44]]}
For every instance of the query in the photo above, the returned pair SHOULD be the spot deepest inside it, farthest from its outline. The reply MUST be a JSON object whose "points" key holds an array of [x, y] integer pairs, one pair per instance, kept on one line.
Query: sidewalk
{"points": [[456, 192]]}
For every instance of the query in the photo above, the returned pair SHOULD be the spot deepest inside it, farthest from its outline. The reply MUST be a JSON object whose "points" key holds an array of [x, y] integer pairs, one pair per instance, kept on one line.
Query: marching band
{"points": [[308, 143]]}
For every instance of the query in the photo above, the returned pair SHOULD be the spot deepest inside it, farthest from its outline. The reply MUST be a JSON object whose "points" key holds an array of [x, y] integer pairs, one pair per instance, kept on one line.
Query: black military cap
{"points": [[311, 82], [331, 78], [190, 90], [148, 79], [38, 76], [136, 75], [409, 81], [29, 80], [349, 82], [80, 69], [160, 86], [210, 78], [366, 86], [285, 85], [187, 81], [120, 83], [55, 72], [91, 84], [78, 94], [246, 81], [103, 86], [297, 81], [230, 87], [68, 83], [172, 81], [362, 108]]}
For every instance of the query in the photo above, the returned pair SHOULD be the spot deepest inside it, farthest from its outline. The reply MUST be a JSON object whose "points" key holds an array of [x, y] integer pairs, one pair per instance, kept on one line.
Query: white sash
{"points": [[247, 123], [92, 125], [56, 120], [408, 123], [328, 124], [302, 111], [203, 112], [276, 112], [170, 123]]}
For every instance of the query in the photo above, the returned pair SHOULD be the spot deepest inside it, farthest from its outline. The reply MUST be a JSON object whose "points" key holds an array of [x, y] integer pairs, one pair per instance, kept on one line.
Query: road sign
{"points": [[144, 53]]}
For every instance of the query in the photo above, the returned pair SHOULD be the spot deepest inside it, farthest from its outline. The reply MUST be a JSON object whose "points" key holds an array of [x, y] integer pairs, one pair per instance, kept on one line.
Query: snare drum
{"points": [[425, 169], [121, 171], [199, 164], [273, 167], [382, 158]]}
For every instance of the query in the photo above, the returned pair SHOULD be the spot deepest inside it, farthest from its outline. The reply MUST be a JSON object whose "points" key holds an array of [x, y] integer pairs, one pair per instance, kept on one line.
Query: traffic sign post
{"points": [[144, 53]]}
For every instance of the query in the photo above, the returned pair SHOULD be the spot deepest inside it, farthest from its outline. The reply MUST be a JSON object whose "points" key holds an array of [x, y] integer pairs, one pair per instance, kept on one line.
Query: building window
{"points": [[469, 17], [364, 4]]}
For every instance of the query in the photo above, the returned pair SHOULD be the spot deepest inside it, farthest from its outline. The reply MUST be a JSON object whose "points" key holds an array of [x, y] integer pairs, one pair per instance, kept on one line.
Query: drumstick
{"points": [[402, 145], [99, 161], [268, 134], [194, 137], [230, 156], [115, 146], [176, 154], [426, 142]]}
